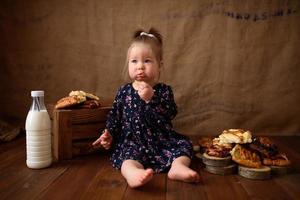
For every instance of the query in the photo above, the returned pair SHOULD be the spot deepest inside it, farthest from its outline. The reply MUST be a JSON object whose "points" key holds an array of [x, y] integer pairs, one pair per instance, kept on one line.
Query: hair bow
{"points": [[147, 34]]}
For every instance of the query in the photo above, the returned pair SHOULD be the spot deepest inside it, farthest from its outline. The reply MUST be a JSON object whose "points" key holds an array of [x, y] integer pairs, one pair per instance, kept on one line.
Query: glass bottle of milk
{"points": [[38, 133]]}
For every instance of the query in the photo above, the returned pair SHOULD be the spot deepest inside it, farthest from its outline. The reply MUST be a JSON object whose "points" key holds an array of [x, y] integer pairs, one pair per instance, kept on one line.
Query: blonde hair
{"points": [[153, 38]]}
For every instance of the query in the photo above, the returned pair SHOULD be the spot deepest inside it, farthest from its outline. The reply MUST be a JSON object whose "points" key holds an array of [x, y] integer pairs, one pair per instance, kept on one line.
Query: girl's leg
{"points": [[135, 174], [180, 170]]}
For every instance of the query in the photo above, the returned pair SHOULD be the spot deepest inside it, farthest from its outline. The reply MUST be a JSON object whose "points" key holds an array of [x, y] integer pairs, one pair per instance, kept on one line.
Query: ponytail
{"points": [[152, 33]]}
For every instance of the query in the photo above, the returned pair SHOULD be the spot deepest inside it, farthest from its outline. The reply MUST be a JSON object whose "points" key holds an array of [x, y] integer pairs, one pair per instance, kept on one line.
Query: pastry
{"points": [[277, 160], [69, 101], [84, 94], [218, 149], [77, 93], [264, 146], [90, 104], [238, 136], [91, 96], [205, 142], [245, 157], [269, 152]]}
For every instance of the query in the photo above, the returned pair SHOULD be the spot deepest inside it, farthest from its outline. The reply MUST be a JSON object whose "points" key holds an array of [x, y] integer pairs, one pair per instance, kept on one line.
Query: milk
{"points": [[38, 133], [38, 123]]}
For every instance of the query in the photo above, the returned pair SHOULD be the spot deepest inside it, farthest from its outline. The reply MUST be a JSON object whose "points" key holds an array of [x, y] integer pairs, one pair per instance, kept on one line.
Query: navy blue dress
{"points": [[143, 131]]}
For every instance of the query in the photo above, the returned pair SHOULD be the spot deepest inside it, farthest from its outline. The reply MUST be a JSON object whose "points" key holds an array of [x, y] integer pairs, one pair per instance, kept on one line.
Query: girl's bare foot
{"points": [[139, 177], [181, 172], [135, 174]]}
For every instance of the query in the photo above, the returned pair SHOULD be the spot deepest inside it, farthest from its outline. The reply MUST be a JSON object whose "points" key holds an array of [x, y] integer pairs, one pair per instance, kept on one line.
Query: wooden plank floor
{"points": [[92, 177]]}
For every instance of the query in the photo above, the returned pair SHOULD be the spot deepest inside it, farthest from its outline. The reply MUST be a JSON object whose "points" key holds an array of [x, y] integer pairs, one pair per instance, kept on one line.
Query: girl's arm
{"points": [[113, 122], [104, 140]]}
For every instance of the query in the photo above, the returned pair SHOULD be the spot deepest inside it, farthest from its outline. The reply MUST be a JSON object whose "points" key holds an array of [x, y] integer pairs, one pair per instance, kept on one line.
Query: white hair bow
{"points": [[147, 34]]}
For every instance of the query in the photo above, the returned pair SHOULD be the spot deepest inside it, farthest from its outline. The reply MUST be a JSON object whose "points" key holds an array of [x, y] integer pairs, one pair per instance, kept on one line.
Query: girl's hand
{"points": [[105, 140], [145, 91]]}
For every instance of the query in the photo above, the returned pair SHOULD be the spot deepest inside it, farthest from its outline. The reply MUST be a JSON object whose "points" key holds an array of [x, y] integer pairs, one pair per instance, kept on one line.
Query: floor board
{"points": [[92, 177]]}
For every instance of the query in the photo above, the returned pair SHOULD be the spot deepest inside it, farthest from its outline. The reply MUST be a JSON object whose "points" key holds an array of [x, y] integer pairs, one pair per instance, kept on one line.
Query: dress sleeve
{"points": [[113, 122], [162, 107]]}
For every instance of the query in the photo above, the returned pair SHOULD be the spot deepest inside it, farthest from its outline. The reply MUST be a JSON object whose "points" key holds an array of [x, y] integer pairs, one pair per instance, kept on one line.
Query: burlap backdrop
{"points": [[232, 64]]}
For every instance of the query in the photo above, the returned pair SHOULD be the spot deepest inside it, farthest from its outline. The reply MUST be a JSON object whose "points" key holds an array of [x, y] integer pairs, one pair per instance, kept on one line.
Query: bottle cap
{"points": [[37, 93]]}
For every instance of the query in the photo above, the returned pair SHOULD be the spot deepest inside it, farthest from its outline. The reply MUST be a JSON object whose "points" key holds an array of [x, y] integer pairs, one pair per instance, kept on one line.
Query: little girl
{"points": [[139, 125]]}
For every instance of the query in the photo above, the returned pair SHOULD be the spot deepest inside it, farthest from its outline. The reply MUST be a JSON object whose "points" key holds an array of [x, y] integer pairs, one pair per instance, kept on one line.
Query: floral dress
{"points": [[143, 131]]}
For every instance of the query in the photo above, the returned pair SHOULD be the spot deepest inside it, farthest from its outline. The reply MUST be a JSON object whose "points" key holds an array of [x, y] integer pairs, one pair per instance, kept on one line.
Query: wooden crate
{"points": [[74, 130]]}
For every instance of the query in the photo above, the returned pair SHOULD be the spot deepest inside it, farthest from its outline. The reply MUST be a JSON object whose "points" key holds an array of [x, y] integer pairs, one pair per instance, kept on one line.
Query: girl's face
{"points": [[142, 64]]}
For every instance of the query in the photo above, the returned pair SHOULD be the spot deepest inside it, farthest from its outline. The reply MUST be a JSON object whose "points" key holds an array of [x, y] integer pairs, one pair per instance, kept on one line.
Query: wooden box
{"points": [[74, 130]]}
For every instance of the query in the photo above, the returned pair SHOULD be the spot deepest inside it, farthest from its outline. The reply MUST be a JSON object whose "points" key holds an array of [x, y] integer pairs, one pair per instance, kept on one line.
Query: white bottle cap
{"points": [[37, 93]]}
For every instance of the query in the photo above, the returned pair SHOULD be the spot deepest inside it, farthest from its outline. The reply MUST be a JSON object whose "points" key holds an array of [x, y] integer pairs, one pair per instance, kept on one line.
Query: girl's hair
{"points": [[153, 38]]}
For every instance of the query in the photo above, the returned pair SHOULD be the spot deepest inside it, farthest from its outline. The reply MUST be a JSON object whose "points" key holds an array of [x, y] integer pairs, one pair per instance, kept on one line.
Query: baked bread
{"points": [[269, 152], [219, 150], [69, 101], [77, 93], [238, 136], [278, 160], [265, 141], [216, 141], [84, 94], [213, 147], [90, 104], [264, 146], [245, 157], [216, 151], [91, 96], [205, 142]]}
